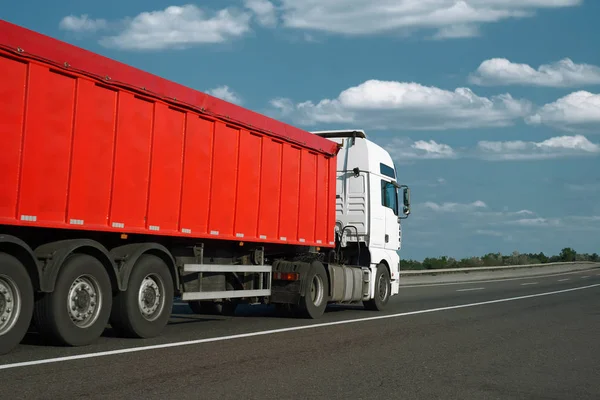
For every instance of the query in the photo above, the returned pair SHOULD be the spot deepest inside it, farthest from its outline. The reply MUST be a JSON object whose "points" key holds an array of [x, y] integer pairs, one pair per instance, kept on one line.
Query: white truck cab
{"points": [[368, 205]]}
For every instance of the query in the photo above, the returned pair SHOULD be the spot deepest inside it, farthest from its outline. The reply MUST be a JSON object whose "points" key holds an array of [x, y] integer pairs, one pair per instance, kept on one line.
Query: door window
{"points": [[389, 196]]}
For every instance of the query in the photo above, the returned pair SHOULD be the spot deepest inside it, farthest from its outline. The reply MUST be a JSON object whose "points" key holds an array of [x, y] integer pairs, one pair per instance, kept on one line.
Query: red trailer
{"points": [[92, 144]]}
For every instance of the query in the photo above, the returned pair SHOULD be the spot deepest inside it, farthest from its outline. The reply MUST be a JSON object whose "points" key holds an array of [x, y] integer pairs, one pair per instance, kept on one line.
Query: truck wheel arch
{"points": [[128, 255], [387, 265], [58, 252], [22, 252]]}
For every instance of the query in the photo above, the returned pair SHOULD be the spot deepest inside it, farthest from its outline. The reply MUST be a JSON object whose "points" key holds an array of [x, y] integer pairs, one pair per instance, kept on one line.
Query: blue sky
{"points": [[491, 108]]}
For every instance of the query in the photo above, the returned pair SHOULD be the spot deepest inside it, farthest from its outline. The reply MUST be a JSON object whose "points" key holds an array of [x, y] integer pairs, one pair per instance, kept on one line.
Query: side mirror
{"points": [[406, 200]]}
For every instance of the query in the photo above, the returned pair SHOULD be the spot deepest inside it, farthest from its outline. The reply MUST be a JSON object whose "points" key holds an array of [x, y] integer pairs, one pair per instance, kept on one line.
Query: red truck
{"points": [[120, 190]]}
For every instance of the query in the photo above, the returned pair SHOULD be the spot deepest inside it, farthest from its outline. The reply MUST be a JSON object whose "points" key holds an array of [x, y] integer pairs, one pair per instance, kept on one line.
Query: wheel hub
{"points": [[383, 288], [316, 290], [150, 300], [10, 304], [84, 301]]}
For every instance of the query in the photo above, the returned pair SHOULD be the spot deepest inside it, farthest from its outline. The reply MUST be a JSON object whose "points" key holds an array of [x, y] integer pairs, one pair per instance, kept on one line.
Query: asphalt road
{"points": [[527, 338]]}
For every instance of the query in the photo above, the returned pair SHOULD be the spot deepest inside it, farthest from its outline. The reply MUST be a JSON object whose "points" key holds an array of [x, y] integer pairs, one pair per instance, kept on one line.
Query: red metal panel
{"points": [[132, 163], [224, 176], [270, 193], [71, 166], [93, 152], [12, 90], [47, 145], [331, 173], [322, 211], [197, 171], [167, 168], [248, 189], [13, 36], [290, 194], [308, 197]]}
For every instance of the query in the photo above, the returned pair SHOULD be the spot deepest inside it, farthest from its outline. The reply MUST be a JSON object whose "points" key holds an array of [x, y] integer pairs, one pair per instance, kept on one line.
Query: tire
{"points": [[383, 288], [133, 316], [315, 297], [77, 311], [16, 302]]}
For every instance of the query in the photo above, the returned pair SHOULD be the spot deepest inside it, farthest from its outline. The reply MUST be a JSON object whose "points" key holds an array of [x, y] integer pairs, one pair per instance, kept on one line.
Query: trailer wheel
{"points": [[77, 311], [316, 286], [143, 310], [383, 287], [16, 302]]}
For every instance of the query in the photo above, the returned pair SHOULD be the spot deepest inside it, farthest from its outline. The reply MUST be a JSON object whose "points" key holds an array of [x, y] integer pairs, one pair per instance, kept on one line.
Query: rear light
{"points": [[286, 276]]}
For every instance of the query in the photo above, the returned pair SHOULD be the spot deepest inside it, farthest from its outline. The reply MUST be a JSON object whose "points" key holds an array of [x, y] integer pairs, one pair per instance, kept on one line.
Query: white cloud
{"points": [[583, 187], [433, 148], [430, 183], [264, 10], [563, 73], [498, 234], [556, 147], [403, 149], [487, 232], [535, 222], [570, 222], [82, 24], [503, 214], [225, 93], [457, 32], [578, 110], [403, 105], [455, 207], [179, 27], [450, 17]]}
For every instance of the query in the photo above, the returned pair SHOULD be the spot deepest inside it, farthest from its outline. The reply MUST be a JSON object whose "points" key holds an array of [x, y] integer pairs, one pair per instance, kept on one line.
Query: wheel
{"points": [[143, 310], [226, 307], [16, 302], [77, 312], [383, 287], [314, 299]]}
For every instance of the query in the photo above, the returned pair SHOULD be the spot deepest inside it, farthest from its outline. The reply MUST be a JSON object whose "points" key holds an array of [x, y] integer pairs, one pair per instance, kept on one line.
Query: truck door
{"points": [[389, 199]]}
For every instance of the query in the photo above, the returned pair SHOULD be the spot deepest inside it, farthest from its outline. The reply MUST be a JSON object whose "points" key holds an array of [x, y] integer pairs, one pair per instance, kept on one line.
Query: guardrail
{"points": [[498, 268]]}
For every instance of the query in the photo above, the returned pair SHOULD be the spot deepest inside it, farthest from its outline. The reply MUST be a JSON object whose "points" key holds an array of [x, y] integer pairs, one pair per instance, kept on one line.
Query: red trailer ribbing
{"points": [[137, 153]]}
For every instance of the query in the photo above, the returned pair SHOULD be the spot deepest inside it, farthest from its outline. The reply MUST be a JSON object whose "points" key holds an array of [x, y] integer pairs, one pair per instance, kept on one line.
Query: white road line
{"points": [[586, 276], [475, 282], [565, 279], [282, 330], [468, 290], [529, 283]]}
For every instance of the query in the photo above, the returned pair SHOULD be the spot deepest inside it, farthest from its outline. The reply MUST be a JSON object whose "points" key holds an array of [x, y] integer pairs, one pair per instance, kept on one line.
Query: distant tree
{"points": [[594, 257], [542, 257], [410, 265], [492, 259], [567, 255], [435, 263]]}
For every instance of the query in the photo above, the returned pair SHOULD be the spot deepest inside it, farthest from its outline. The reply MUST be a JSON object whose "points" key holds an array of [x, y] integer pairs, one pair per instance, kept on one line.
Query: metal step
{"points": [[227, 294], [226, 268], [263, 290]]}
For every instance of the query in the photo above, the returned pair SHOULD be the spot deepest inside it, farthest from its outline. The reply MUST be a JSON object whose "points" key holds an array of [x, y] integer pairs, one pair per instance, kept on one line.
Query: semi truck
{"points": [[121, 191]]}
